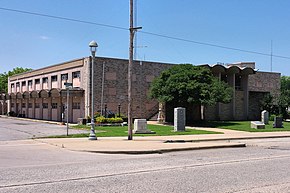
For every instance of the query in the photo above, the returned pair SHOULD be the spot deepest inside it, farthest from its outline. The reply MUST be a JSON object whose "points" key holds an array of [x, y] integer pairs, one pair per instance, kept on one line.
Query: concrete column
{"points": [[21, 100], [33, 108], [49, 99], [59, 81], [33, 85], [59, 109], [26, 107], [231, 81], [246, 95], [41, 108], [9, 105], [41, 83], [27, 88], [69, 77], [49, 82]]}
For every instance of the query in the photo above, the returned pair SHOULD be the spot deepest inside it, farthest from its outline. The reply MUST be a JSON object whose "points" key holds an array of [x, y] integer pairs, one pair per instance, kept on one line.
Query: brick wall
{"points": [[116, 85], [265, 82], [239, 105]]}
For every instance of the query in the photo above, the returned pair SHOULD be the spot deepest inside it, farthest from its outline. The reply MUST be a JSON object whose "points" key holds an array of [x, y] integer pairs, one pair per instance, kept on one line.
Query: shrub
{"points": [[101, 119], [115, 120], [97, 114]]}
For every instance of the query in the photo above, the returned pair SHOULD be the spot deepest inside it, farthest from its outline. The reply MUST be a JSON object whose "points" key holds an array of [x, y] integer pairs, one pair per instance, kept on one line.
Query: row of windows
{"points": [[76, 74], [45, 105]]}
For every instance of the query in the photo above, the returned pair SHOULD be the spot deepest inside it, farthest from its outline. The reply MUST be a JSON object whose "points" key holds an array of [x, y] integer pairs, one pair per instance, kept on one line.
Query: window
{"points": [[23, 83], [45, 80], [36, 105], [77, 74], [17, 84], [45, 105], [64, 76], [23, 105], [30, 105], [76, 106], [30, 83], [54, 105], [54, 78], [12, 85], [37, 81]]}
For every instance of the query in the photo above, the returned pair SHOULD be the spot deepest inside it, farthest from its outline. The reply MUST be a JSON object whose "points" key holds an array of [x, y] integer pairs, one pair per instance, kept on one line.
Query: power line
{"points": [[144, 32], [213, 45], [63, 18]]}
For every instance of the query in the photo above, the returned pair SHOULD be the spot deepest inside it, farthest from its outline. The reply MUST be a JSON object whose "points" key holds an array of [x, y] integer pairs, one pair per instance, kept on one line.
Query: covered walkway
{"points": [[48, 104]]}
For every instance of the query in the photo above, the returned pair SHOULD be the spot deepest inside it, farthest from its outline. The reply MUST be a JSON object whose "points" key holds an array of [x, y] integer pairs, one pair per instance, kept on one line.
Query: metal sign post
{"points": [[67, 86]]}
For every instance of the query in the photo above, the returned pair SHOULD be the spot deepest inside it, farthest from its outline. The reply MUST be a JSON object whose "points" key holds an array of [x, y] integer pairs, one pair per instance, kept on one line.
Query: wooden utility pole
{"points": [[130, 134], [130, 66]]}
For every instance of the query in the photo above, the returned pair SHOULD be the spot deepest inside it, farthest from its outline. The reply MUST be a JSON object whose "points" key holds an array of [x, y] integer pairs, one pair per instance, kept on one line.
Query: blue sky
{"points": [[34, 41]]}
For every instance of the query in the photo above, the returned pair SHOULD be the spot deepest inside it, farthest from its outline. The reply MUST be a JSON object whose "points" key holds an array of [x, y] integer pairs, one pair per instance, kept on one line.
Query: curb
{"points": [[32, 120], [136, 152], [225, 139]]}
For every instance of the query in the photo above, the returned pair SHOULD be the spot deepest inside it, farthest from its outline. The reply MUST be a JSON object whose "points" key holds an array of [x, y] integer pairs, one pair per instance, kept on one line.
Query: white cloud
{"points": [[44, 37]]}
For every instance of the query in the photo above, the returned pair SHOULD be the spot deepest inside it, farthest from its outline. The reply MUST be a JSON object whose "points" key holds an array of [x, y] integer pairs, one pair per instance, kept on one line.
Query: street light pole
{"points": [[93, 46]]}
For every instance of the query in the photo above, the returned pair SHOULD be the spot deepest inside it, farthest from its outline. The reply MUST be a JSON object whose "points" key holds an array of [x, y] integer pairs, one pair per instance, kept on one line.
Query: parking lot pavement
{"points": [[15, 129]]}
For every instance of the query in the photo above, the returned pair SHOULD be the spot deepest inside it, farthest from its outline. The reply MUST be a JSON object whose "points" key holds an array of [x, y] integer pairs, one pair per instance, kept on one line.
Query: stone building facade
{"points": [[41, 94], [249, 88]]}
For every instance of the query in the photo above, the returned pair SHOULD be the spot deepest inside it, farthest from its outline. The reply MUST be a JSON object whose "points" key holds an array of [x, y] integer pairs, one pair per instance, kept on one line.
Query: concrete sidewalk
{"points": [[160, 144]]}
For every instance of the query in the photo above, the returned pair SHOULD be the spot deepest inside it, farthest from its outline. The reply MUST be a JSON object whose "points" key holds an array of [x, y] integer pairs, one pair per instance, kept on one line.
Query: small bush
{"points": [[97, 114], [102, 119], [115, 120]]}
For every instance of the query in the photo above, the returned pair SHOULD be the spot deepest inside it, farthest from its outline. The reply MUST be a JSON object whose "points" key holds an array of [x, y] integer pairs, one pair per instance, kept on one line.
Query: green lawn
{"points": [[114, 131], [243, 126]]}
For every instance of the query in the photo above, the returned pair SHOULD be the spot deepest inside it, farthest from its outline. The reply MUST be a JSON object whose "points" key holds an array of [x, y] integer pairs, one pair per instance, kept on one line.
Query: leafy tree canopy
{"points": [[285, 90], [191, 84], [4, 77], [278, 105]]}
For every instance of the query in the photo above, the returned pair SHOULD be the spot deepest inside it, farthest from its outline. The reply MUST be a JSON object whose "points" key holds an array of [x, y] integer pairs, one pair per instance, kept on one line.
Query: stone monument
{"points": [[140, 127], [179, 119], [265, 117], [278, 122]]}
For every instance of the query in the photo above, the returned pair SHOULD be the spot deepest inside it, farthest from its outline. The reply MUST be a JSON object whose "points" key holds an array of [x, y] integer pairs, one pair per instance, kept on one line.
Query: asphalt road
{"points": [[13, 129], [31, 166]]}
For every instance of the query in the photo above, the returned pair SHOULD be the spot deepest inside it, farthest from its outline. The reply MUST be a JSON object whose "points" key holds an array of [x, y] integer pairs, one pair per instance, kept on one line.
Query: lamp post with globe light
{"points": [[93, 46]]}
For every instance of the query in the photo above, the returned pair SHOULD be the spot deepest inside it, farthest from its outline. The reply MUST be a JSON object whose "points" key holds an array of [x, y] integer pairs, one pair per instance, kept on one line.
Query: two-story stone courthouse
{"points": [[41, 93]]}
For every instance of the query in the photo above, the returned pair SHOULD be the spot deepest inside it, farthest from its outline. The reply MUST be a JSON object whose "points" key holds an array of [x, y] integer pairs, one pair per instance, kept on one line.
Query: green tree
{"points": [[278, 105], [4, 77], [285, 89], [186, 83], [284, 99]]}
